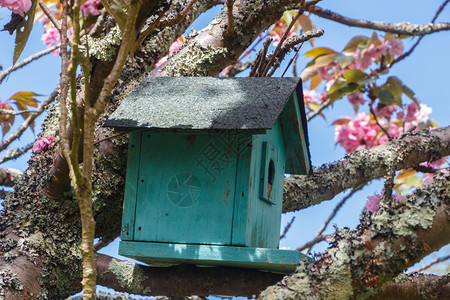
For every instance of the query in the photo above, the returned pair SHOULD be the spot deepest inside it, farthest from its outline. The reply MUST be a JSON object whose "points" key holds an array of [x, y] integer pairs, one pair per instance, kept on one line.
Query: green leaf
{"points": [[385, 97], [324, 60], [23, 31], [347, 89], [339, 83], [344, 61], [355, 42], [354, 75], [316, 52]]}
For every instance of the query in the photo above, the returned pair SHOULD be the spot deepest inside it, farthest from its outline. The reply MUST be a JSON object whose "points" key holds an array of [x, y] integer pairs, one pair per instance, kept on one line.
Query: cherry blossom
{"points": [[357, 134], [91, 7], [19, 7], [356, 99], [396, 46], [386, 111], [173, 48], [43, 143], [310, 96], [373, 203]]}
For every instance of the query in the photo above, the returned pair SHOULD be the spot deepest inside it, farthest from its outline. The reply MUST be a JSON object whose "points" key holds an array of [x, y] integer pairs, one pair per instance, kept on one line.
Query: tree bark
{"points": [[358, 168]]}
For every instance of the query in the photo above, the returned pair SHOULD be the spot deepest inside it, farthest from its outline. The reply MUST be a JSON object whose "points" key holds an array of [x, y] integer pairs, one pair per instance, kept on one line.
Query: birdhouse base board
{"points": [[155, 254]]}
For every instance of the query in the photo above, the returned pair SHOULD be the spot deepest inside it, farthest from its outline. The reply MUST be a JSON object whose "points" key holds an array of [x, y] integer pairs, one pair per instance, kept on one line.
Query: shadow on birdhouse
{"points": [[206, 164]]}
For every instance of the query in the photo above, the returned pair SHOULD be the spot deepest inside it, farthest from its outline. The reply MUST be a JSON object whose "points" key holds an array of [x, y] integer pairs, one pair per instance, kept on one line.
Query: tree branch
{"points": [[26, 61], [362, 261], [8, 176], [363, 166], [181, 280], [15, 135], [15, 153], [398, 28], [416, 287]]}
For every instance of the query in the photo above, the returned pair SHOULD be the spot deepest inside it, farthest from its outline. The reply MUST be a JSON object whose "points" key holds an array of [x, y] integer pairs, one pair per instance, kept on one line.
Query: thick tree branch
{"points": [[362, 261], [416, 287], [182, 280], [363, 166], [213, 49], [398, 28]]}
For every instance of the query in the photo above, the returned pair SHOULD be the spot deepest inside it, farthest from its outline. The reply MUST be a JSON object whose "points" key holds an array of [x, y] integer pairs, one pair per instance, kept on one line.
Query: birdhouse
{"points": [[206, 164]]}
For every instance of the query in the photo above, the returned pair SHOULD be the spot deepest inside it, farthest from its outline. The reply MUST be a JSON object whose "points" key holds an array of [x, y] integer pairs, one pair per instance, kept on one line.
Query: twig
{"points": [[292, 60], [398, 28], [26, 61], [406, 54], [378, 123], [287, 227], [316, 240], [14, 113], [322, 106], [260, 59], [12, 137], [166, 23], [109, 137], [290, 44], [283, 38], [333, 213], [15, 153], [431, 263], [49, 15], [230, 27]]}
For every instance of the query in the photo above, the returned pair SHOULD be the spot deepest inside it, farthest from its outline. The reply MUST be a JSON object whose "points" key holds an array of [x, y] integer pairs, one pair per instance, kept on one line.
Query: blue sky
{"points": [[425, 72]]}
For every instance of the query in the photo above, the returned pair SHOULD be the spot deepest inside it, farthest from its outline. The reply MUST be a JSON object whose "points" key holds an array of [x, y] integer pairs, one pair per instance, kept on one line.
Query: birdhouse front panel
{"points": [[185, 188]]}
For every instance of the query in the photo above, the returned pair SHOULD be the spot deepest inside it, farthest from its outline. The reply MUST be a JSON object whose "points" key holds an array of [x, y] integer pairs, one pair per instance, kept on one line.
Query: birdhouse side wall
{"points": [[257, 219]]}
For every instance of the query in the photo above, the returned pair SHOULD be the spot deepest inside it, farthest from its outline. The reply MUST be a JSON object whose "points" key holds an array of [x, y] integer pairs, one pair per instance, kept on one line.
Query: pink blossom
{"points": [[415, 114], [323, 73], [386, 111], [278, 30], [435, 164], [373, 203], [43, 143], [357, 134], [396, 46], [310, 96], [173, 48], [19, 7], [427, 178], [323, 97], [375, 52], [91, 7], [356, 99], [51, 37]]}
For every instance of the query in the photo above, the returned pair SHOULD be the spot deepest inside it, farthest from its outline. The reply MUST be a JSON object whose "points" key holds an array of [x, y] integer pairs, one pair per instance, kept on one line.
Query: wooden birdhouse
{"points": [[206, 164]]}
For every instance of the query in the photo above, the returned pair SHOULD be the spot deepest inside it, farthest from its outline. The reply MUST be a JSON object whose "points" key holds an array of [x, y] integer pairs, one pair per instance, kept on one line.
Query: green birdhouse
{"points": [[206, 164]]}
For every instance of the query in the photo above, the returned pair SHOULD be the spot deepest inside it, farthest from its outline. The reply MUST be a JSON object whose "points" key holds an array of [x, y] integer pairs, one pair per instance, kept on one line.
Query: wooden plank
{"points": [[297, 158], [284, 261], [186, 188], [129, 203], [264, 218], [243, 184]]}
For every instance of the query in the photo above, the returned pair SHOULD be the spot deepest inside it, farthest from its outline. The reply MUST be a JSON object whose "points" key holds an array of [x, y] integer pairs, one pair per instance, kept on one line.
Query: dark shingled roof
{"points": [[204, 103]]}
